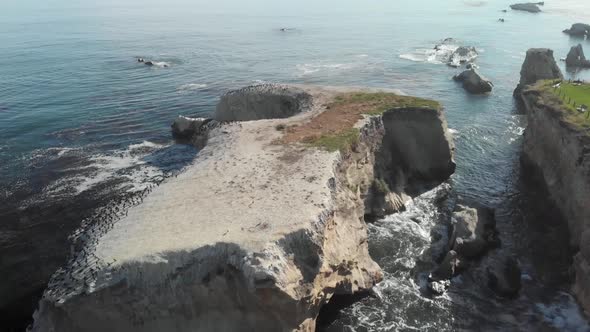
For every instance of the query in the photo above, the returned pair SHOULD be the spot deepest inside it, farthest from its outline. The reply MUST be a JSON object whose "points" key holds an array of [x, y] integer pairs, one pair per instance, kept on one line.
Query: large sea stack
{"points": [[539, 64], [266, 225]]}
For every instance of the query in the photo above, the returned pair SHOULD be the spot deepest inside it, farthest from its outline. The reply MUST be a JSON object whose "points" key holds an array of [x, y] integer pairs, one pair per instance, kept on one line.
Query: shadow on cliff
{"points": [[213, 288]]}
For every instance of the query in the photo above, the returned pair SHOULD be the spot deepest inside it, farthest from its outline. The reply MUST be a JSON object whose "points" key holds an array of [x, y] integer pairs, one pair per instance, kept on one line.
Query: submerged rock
{"points": [[531, 7], [539, 64], [578, 30], [474, 82], [266, 101], [576, 58], [503, 275]]}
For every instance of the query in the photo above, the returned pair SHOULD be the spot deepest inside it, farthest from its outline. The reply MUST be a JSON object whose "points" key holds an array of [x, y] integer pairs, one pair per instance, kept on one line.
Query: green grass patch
{"points": [[569, 97], [338, 142], [378, 102]]}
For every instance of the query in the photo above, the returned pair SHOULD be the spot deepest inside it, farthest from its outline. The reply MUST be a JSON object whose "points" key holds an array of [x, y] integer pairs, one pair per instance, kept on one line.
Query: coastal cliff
{"points": [[560, 151], [266, 225], [557, 148]]}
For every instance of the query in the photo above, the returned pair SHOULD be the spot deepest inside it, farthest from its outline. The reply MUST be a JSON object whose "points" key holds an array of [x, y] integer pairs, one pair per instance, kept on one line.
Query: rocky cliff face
{"points": [[560, 152], [539, 64], [255, 236]]}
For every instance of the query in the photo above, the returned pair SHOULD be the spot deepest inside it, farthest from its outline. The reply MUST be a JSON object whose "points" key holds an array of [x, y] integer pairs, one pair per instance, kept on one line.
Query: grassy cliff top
{"points": [[334, 129], [565, 97]]}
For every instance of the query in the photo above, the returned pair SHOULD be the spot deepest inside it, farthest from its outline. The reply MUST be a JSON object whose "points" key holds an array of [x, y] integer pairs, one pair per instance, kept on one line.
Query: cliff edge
{"points": [[266, 225], [560, 151]]}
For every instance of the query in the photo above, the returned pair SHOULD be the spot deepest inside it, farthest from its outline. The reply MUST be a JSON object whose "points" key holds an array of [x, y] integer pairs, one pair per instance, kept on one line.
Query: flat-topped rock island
{"points": [[265, 226]]}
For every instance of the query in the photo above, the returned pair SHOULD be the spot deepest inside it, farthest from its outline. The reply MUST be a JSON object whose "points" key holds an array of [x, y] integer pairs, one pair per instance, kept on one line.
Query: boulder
{"points": [[447, 268], [473, 231], [503, 276], [474, 82], [527, 7], [195, 130], [578, 30], [539, 64], [265, 101], [576, 58]]}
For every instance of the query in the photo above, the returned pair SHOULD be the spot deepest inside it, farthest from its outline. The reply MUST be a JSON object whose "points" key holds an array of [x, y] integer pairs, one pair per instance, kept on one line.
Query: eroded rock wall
{"points": [[560, 151]]}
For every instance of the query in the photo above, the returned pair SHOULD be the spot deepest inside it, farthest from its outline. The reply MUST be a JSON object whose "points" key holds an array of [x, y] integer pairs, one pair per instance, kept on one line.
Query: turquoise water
{"points": [[81, 120]]}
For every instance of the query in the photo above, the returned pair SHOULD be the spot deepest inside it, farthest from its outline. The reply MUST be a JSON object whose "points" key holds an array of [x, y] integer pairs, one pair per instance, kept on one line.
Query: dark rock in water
{"points": [[447, 268], [503, 276], [578, 30], [576, 58], [474, 231], [539, 64], [531, 7], [473, 82]]}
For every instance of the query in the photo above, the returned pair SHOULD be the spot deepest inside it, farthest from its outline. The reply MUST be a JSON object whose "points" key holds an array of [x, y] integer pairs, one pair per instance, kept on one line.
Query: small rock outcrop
{"points": [[473, 232], [474, 82], [266, 101], [576, 58], [462, 55], [531, 7], [193, 130], [578, 30], [539, 64]]}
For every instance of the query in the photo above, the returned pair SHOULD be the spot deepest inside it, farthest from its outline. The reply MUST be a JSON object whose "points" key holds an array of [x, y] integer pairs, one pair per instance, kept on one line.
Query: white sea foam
{"points": [[311, 68], [126, 163], [192, 87], [563, 313], [453, 132], [442, 53], [161, 64], [145, 144]]}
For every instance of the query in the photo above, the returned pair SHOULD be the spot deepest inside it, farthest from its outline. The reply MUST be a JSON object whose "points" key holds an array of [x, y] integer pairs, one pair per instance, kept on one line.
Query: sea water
{"points": [[81, 121]]}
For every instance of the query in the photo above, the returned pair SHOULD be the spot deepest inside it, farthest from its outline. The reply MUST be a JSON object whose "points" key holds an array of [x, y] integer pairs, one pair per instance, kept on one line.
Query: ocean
{"points": [[82, 123]]}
